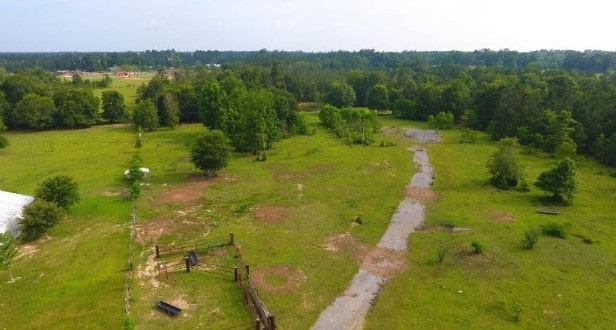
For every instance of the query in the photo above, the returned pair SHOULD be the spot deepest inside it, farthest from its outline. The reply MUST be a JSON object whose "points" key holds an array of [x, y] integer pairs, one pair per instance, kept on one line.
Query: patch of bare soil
{"points": [[474, 261], [421, 194], [384, 262], [422, 135], [148, 272], [26, 250], [272, 214], [189, 192], [111, 193], [278, 279], [347, 244], [500, 216]]}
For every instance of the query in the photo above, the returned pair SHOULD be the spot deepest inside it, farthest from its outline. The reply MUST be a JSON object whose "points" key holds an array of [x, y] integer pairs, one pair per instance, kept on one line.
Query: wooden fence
{"points": [[263, 318], [241, 273], [194, 246]]}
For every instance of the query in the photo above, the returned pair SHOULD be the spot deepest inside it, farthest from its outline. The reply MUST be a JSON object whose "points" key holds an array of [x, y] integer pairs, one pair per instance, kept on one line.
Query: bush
{"points": [[478, 247], [4, 142], [38, 217], [530, 238], [556, 229]]}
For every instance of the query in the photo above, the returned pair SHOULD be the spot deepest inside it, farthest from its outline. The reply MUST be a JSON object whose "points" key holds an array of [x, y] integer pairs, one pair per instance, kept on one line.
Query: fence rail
{"points": [[195, 245], [264, 319]]}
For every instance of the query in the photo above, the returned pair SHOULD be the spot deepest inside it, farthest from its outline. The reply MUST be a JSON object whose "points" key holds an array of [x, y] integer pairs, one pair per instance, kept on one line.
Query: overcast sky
{"points": [[308, 25]]}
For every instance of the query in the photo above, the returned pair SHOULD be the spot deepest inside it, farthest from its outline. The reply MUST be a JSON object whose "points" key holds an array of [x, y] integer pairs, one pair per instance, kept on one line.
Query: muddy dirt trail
{"points": [[349, 310]]}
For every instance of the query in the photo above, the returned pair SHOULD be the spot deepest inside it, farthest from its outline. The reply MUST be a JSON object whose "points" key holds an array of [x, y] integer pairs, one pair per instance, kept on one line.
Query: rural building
{"points": [[123, 74], [11, 206]]}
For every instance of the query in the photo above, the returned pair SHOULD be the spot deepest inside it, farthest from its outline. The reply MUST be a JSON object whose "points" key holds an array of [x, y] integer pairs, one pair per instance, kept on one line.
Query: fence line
{"points": [[129, 273], [182, 247], [264, 319]]}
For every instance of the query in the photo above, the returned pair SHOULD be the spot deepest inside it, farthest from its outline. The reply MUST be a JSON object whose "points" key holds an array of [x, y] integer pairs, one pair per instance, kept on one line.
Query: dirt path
{"points": [[349, 310]]}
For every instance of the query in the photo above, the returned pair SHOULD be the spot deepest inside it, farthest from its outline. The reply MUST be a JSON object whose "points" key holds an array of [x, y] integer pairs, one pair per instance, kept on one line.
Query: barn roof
{"points": [[11, 206]]}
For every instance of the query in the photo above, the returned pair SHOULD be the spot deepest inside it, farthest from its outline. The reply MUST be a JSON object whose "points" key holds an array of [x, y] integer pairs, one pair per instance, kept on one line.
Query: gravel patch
{"points": [[349, 310]]}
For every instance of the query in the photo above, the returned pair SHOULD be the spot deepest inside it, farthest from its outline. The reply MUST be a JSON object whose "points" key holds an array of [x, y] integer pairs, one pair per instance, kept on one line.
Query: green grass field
{"points": [[563, 283], [285, 212]]}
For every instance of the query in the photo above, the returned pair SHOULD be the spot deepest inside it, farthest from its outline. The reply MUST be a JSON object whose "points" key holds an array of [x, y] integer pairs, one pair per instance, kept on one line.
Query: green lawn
{"points": [[561, 283], [319, 185], [74, 278]]}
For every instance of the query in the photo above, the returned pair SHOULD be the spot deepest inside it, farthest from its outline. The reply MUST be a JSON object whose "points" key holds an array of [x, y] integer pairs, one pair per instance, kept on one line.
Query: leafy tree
{"points": [[38, 217], [34, 111], [468, 136], [4, 142], [61, 190], [7, 252], [378, 98], [76, 107], [114, 109], [605, 149], [211, 151], [340, 95], [146, 115], [566, 149], [403, 108], [442, 120], [169, 110], [559, 181], [503, 165]]}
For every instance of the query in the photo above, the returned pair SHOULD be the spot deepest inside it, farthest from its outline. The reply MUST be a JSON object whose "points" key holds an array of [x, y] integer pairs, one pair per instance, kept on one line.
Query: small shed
{"points": [[11, 206]]}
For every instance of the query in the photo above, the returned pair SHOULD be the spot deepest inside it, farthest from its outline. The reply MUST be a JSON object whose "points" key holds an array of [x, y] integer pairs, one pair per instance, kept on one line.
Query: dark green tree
{"points": [[76, 107], [34, 111], [211, 151], [146, 115], [114, 108], [559, 181], [38, 217], [503, 165], [169, 110], [378, 98], [61, 190], [340, 95]]}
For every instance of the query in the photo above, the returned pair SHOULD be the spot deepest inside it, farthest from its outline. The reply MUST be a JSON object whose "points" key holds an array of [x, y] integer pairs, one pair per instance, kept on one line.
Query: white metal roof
{"points": [[11, 206]]}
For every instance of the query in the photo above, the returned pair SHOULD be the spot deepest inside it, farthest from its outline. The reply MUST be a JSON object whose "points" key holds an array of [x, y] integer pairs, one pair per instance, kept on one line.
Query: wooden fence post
{"points": [[187, 264], [248, 270], [235, 273], [231, 239], [157, 252], [257, 324], [272, 322]]}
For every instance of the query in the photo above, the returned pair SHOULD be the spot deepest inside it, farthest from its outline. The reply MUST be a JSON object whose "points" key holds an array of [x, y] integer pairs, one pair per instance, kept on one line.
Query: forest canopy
{"points": [[550, 100]]}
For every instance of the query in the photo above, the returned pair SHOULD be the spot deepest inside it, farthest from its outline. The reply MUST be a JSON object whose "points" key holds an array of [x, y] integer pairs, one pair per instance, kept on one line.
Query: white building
{"points": [[11, 206]]}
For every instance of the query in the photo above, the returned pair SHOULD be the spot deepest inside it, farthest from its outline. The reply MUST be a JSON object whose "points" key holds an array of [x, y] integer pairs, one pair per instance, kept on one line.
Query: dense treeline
{"points": [[35, 99], [587, 61], [253, 97], [252, 111]]}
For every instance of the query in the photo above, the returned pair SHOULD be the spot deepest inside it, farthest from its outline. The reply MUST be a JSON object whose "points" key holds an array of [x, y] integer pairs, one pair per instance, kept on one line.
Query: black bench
{"points": [[168, 308], [192, 258]]}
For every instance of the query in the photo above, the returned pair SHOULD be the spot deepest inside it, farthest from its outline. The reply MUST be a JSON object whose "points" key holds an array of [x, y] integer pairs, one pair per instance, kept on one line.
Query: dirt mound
{"points": [[500, 216], [192, 191], [421, 194], [278, 279], [272, 214]]}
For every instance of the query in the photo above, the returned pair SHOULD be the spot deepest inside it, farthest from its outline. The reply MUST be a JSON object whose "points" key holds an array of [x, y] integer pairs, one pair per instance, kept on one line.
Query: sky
{"points": [[305, 25]]}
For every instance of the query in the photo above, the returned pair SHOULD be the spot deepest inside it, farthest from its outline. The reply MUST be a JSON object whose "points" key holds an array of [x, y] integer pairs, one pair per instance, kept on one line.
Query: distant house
{"points": [[11, 206], [123, 74]]}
